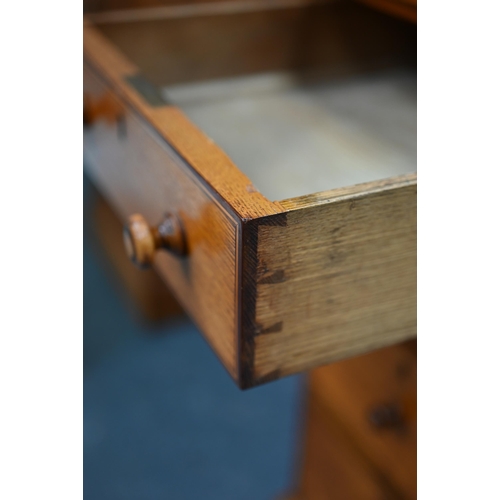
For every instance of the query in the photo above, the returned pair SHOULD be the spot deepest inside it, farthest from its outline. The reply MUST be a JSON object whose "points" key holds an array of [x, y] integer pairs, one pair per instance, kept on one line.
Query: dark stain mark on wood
{"points": [[403, 370], [336, 256], [270, 279], [262, 269], [335, 253], [277, 327], [387, 416]]}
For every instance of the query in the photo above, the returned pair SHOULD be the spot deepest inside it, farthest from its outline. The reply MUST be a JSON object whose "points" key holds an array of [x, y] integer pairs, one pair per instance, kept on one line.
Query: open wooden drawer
{"points": [[282, 138]]}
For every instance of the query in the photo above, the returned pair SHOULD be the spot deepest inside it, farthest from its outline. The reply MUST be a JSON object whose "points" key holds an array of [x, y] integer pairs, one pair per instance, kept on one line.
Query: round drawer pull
{"points": [[142, 240]]}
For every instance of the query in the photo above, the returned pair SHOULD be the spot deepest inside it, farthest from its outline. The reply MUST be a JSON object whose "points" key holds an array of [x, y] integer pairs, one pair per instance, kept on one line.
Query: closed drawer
{"points": [[332, 466], [373, 399], [208, 113]]}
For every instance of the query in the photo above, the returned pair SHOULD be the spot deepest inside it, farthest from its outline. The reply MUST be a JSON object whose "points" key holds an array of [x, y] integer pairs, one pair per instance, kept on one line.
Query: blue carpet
{"points": [[163, 419]]}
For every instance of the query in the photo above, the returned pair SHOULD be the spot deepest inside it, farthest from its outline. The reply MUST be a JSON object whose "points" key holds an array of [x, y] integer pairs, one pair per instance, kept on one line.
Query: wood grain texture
{"points": [[374, 399], [329, 280], [138, 172]]}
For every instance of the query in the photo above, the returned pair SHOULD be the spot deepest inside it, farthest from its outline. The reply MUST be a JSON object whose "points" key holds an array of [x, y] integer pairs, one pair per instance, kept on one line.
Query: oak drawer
{"points": [[220, 114]]}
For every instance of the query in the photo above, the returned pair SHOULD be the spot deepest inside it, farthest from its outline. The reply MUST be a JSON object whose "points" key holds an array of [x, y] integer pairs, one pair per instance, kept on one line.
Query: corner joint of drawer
{"points": [[251, 276]]}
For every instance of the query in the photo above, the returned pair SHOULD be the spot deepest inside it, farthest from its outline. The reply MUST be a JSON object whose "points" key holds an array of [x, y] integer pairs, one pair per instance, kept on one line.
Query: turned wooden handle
{"points": [[142, 240]]}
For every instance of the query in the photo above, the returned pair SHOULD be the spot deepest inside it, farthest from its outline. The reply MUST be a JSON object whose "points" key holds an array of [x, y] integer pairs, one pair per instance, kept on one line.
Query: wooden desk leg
{"points": [[148, 293]]}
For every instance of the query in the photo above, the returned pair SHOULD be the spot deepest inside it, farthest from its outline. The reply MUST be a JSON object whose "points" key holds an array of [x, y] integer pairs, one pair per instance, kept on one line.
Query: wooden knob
{"points": [[142, 240]]}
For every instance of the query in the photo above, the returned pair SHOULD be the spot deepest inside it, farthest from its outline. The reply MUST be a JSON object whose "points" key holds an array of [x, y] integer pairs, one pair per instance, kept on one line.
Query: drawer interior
{"points": [[292, 138], [303, 97]]}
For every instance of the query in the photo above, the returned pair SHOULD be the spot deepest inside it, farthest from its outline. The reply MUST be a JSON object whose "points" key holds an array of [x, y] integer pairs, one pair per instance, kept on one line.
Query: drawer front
{"points": [[138, 172], [332, 467], [374, 399]]}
